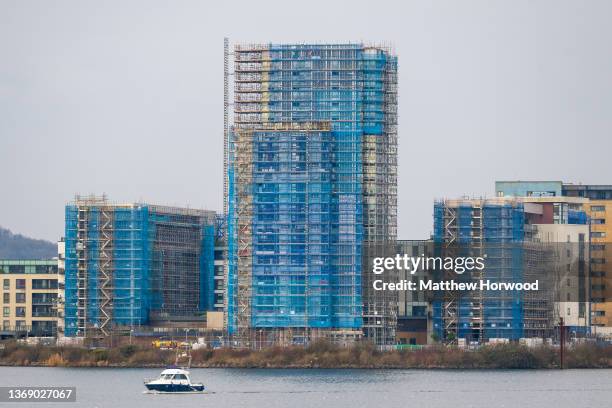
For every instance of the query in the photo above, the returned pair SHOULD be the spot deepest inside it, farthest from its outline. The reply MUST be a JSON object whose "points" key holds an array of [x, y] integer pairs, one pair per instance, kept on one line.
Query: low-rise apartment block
{"points": [[30, 295]]}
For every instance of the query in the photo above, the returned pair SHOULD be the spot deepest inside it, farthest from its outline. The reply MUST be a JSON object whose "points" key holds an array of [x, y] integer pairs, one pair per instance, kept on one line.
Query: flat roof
{"points": [[529, 181]]}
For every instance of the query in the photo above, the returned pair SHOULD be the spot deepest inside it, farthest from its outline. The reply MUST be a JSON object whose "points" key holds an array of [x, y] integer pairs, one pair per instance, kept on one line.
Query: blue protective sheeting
{"points": [[503, 236], [162, 262], [306, 187]]}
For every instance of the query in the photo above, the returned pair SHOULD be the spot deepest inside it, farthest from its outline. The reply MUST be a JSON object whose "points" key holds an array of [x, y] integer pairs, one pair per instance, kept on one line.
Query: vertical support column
{"points": [[225, 122]]}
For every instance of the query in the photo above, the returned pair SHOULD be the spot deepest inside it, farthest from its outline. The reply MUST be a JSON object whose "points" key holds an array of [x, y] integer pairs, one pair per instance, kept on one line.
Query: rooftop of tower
{"points": [[254, 47]]}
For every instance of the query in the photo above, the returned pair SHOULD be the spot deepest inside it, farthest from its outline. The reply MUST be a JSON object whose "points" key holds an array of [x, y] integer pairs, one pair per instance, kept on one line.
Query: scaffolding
{"points": [[244, 213], [106, 269], [540, 313], [311, 176], [493, 229], [226, 130], [126, 263]]}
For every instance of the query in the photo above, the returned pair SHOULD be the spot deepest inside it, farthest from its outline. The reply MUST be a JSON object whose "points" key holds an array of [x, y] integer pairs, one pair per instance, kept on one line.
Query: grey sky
{"points": [[126, 97]]}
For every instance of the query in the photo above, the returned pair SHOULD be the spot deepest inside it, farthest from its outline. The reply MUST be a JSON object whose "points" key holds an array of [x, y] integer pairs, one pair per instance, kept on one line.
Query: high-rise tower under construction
{"points": [[310, 182]]}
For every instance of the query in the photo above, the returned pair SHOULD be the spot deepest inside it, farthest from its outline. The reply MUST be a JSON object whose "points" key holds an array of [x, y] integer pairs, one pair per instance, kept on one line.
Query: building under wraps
{"points": [[475, 228], [310, 155], [129, 263]]}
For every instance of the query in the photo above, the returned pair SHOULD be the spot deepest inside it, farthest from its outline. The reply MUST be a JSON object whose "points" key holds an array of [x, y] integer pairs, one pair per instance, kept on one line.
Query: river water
{"points": [[237, 388]]}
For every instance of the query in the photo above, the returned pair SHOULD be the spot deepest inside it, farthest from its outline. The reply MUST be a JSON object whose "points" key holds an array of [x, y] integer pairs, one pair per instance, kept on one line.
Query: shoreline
{"points": [[288, 368], [316, 356]]}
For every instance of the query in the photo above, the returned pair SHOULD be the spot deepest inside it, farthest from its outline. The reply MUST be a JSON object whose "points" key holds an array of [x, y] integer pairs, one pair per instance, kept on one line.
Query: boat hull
{"points": [[175, 387]]}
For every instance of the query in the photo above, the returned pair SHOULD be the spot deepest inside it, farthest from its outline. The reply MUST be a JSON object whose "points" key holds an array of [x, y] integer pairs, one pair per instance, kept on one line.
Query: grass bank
{"points": [[318, 355]]}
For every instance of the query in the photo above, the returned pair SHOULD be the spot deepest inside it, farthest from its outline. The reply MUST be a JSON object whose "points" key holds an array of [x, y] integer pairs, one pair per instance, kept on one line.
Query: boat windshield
{"points": [[165, 376], [180, 377]]}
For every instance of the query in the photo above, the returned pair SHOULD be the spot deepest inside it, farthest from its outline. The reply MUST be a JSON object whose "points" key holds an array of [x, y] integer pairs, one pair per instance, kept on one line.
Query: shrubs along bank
{"points": [[318, 355]]}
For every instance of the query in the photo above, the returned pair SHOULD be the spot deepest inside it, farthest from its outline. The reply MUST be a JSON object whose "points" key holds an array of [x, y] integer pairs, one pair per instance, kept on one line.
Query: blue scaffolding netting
{"points": [[161, 263], [502, 242], [304, 186]]}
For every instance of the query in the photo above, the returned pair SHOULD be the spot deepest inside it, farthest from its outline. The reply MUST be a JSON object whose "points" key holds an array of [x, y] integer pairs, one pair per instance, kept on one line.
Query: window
{"points": [[6, 311], [598, 208], [44, 298], [541, 193], [46, 269], [6, 325], [569, 311], [598, 221], [16, 268], [419, 310], [598, 247], [19, 297], [218, 254], [20, 311], [6, 298], [20, 324], [43, 311], [568, 282], [20, 283], [7, 284], [569, 297], [44, 283], [598, 234]]}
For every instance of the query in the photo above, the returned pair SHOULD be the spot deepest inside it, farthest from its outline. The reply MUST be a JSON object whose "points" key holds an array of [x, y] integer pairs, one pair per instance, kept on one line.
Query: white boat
{"points": [[174, 380]]}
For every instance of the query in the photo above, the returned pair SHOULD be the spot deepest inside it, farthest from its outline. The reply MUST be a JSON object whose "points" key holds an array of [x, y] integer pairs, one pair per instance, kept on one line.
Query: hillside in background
{"points": [[16, 246]]}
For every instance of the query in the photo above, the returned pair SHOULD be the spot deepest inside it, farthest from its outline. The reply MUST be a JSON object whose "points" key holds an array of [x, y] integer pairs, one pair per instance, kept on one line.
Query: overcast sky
{"points": [[126, 97]]}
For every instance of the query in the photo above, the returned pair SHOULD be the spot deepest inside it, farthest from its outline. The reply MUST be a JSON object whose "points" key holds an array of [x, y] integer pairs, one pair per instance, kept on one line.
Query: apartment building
{"points": [[310, 179], [30, 295]]}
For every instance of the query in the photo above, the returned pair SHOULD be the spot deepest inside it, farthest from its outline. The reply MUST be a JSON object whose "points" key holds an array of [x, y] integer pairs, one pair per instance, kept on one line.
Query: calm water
{"points": [[329, 388]]}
